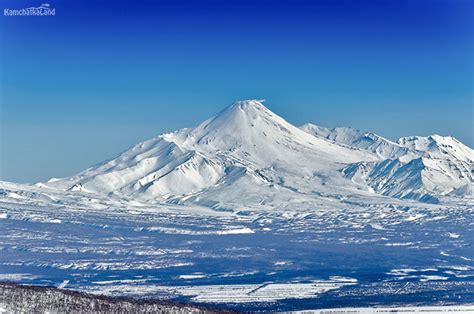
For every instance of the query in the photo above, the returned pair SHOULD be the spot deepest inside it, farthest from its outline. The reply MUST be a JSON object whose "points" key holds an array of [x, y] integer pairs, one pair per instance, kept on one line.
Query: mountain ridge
{"points": [[444, 165]]}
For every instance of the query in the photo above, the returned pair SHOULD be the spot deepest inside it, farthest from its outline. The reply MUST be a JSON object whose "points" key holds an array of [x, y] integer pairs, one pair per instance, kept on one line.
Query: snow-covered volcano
{"points": [[247, 155]]}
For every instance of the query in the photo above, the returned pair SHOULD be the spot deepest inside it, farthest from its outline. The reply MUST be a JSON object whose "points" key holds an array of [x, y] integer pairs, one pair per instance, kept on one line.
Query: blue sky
{"points": [[86, 84]]}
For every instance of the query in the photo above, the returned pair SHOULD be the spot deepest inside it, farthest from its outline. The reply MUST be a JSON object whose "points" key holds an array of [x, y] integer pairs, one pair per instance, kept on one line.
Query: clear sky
{"points": [[86, 84]]}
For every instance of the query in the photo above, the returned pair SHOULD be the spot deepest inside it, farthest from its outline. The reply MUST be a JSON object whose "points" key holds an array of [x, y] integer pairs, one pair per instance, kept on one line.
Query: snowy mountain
{"points": [[247, 155], [416, 167], [244, 144], [436, 146]]}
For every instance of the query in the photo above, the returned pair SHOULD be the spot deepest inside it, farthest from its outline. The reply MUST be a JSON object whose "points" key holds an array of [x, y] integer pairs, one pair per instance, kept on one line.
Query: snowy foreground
{"points": [[248, 212], [26, 299]]}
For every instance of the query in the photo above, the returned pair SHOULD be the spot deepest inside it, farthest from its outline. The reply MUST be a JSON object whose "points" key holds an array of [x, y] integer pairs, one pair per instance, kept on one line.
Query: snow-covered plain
{"points": [[247, 211]]}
